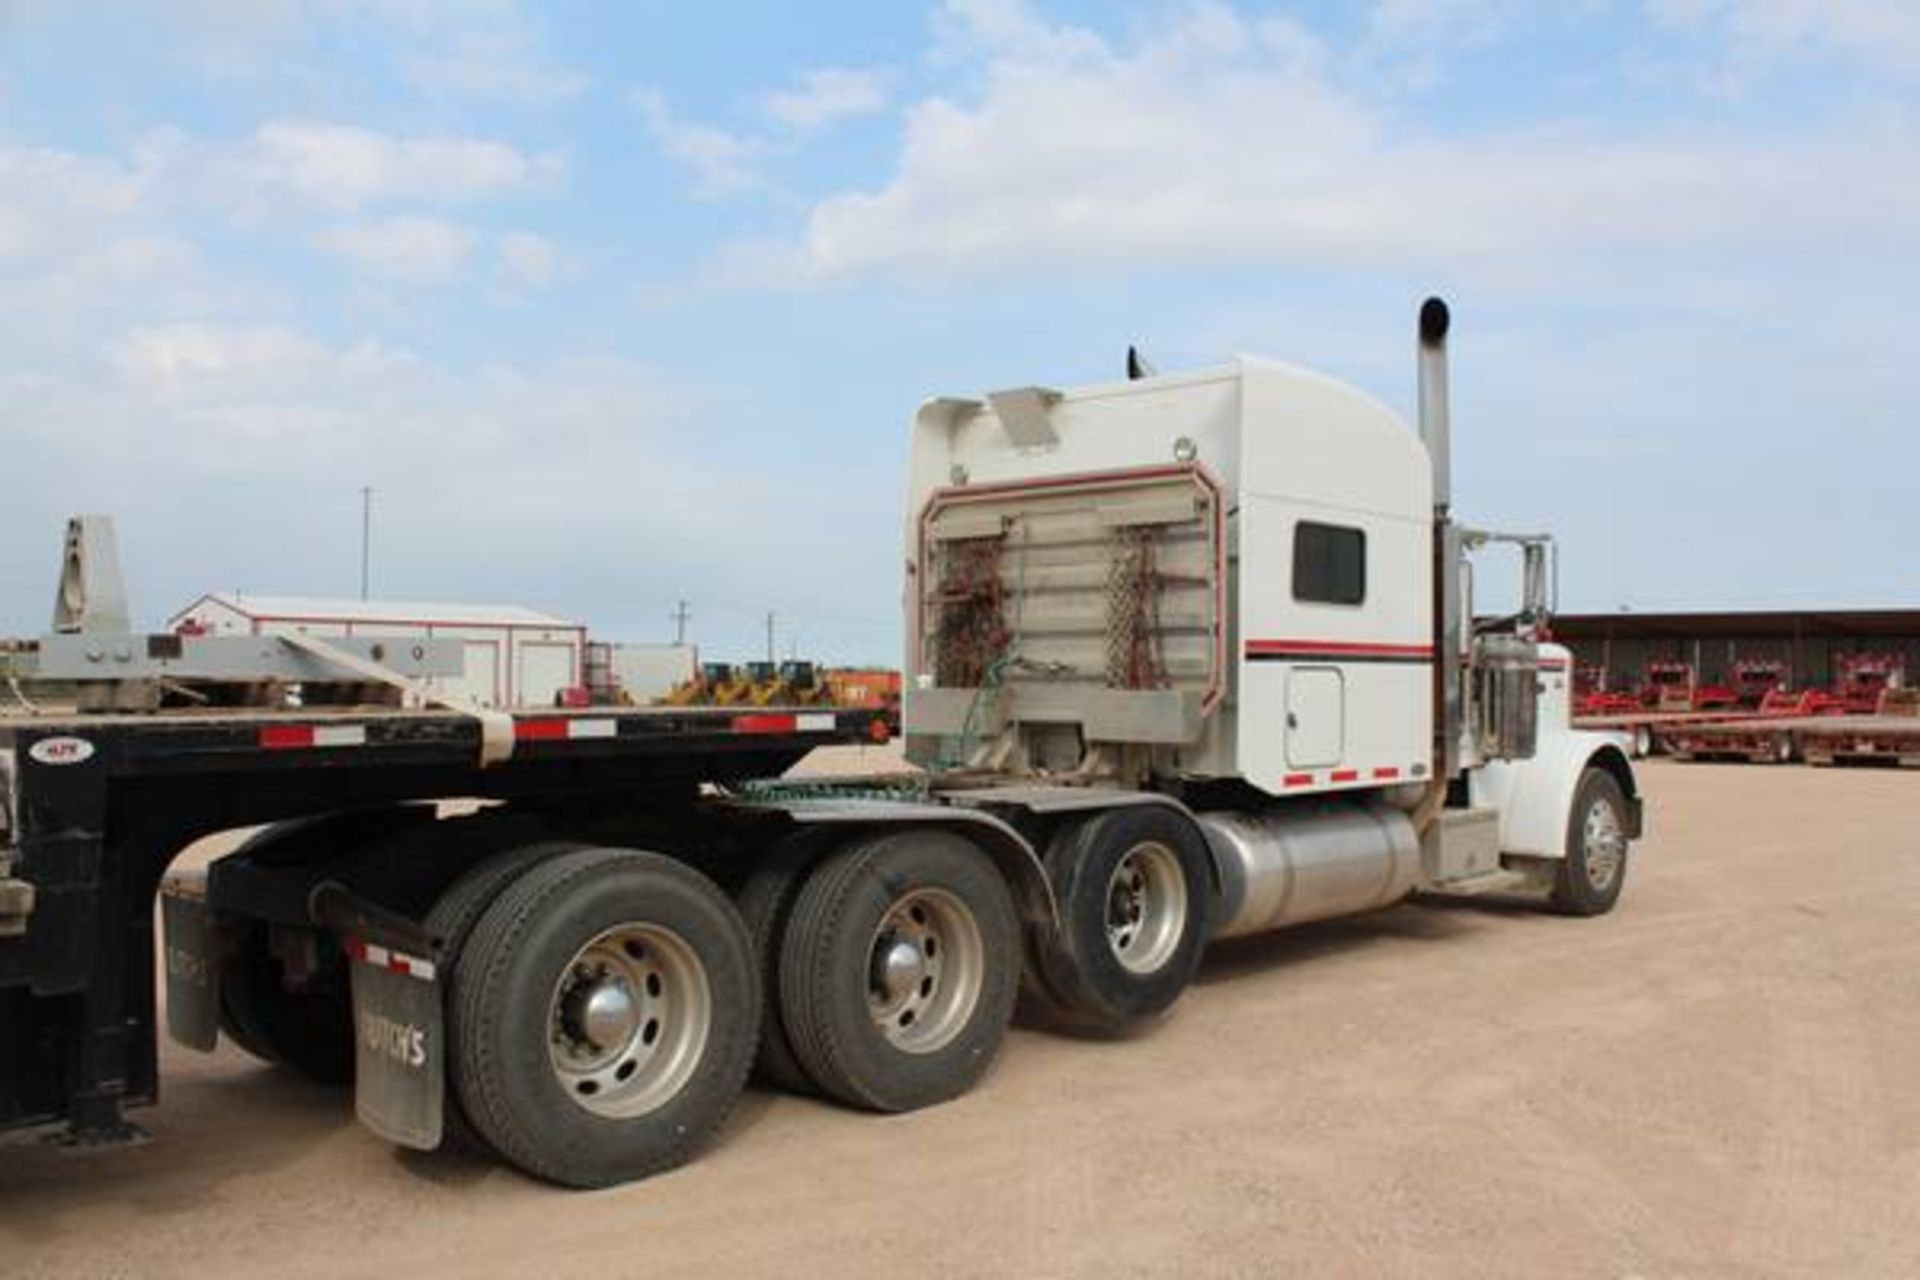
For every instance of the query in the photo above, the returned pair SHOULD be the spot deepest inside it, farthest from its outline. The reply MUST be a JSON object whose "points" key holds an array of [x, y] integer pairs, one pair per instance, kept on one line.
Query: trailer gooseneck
{"points": [[1188, 656]]}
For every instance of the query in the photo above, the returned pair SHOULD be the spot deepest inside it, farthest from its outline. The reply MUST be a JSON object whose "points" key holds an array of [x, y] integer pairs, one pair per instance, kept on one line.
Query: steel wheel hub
{"points": [[926, 968], [1605, 845], [1146, 907], [628, 1020]]}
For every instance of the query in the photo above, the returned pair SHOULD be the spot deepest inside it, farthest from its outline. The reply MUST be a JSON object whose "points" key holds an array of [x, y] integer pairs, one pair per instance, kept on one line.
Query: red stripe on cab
{"points": [[1358, 648]]}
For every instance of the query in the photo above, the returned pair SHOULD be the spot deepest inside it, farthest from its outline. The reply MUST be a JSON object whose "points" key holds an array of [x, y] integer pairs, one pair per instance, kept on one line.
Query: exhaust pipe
{"points": [[1449, 701], [1435, 428]]}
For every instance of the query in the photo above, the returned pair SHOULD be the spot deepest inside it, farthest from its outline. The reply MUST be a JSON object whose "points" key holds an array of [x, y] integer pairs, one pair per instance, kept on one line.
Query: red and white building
{"points": [[514, 657]]}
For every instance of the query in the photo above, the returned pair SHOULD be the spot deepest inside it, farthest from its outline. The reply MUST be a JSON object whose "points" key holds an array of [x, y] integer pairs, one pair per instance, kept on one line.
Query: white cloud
{"points": [[504, 63], [347, 167], [827, 96], [528, 260], [179, 354], [1442, 21], [1218, 139], [408, 247], [1763, 33], [53, 199], [723, 163]]}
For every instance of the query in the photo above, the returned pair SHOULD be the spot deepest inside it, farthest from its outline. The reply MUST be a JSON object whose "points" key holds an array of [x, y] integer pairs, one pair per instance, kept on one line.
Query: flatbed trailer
{"points": [[96, 807], [1818, 740], [1646, 730]]}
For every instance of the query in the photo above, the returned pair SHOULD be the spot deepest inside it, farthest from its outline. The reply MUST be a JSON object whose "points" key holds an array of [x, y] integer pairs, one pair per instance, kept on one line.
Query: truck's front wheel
{"points": [[604, 1016], [1590, 877]]}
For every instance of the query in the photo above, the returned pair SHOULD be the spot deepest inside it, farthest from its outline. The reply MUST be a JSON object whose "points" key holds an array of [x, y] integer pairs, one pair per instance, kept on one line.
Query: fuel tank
{"points": [[1288, 866]]}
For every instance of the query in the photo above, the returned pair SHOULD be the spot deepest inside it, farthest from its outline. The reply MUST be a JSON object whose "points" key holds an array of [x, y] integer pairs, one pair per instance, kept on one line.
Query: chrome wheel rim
{"points": [[926, 967], [628, 1020], [1604, 844], [1146, 907]]}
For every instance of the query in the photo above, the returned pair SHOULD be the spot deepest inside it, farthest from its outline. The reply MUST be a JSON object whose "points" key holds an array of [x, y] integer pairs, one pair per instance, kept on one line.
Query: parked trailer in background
{"points": [[1188, 657], [1889, 733]]}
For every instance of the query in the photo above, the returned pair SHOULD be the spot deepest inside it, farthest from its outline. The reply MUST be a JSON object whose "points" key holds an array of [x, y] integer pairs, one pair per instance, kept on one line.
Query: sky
{"points": [[615, 306]]}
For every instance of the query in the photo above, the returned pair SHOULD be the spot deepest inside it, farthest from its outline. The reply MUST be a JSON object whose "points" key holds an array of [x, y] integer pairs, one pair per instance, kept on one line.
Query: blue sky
{"points": [[617, 305]]}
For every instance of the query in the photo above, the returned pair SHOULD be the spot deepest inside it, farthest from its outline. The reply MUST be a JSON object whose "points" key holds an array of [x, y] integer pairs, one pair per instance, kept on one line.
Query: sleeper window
{"points": [[1329, 564]]}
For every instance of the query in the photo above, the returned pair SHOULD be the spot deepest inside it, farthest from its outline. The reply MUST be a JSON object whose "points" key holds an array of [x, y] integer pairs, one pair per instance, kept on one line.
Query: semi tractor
{"points": [[1188, 657]]}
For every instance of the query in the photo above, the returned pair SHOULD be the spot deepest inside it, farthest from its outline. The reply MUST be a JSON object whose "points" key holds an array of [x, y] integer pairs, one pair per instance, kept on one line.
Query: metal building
{"points": [[514, 656], [1811, 642]]}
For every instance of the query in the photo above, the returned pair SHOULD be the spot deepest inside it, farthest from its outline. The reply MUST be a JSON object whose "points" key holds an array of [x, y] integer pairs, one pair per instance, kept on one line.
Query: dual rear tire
{"points": [[602, 1017], [1133, 887], [604, 1009]]}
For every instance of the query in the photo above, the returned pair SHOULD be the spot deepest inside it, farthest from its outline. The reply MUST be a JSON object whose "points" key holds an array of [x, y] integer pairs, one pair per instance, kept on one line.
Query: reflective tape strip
{"points": [[816, 722], [299, 737], [1388, 772], [1298, 780], [563, 728], [385, 958], [763, 724], [1344, 775]]}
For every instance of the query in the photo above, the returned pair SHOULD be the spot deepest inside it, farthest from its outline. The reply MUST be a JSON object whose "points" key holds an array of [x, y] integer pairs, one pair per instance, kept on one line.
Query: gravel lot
{"points": [[1717, 1080]]}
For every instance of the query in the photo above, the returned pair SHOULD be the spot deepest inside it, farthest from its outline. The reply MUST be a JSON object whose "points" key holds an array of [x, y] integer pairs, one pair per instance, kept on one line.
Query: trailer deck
{"points": [[94, 807], [1819, 740]]}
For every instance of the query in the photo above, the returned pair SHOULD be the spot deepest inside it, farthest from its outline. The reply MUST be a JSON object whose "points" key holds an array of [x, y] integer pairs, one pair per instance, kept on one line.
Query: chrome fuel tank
{"points": [[1288, 866]]}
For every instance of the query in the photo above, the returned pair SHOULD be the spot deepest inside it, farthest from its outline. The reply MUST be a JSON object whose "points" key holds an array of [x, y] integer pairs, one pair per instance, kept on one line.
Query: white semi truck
{"points": [[1187, 657]]}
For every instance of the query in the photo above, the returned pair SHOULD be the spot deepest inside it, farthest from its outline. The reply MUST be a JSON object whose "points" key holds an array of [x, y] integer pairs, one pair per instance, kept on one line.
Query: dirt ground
{"points": [[1718, 1080]]}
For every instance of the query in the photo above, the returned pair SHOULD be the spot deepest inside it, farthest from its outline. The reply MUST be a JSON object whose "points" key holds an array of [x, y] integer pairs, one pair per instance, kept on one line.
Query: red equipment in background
{"points": [[1864, 679], [1757, 679], [1592, 697]]}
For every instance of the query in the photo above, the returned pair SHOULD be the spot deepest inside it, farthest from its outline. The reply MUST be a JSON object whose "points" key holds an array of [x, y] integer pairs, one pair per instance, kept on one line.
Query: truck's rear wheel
{"points": [[766, 904], [604, 1017], [899, 968], [450, 923], [1590, 877], [1133, 892], [307, 1029]]}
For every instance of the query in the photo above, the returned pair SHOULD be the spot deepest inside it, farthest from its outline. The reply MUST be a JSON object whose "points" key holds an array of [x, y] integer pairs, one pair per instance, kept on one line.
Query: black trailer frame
{"points": [[100, 806]]}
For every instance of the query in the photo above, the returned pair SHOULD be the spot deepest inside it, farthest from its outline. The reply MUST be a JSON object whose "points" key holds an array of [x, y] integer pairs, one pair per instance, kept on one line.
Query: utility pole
{"points": [[680, 617], [366, 536], [770, 653]]}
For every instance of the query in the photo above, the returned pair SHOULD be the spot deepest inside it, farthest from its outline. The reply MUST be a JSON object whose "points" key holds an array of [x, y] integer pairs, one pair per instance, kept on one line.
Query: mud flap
{"points": [[400, 1059], [190, 945]]}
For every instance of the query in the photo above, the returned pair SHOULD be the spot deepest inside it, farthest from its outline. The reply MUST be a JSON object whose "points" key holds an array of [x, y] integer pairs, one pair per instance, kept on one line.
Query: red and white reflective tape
{"points": [[385, 958], [783, 722], [301, 737], [1346, 777], [565, 729]]}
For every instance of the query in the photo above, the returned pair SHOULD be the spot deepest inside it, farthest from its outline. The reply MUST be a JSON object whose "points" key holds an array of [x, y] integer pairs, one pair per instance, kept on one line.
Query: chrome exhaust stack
{"points": [[1436, 430], [1435, 427]]}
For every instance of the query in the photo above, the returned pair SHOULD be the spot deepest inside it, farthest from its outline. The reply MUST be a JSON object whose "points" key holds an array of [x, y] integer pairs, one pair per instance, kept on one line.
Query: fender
{"points": [[998, 839], [1535, 796]]}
